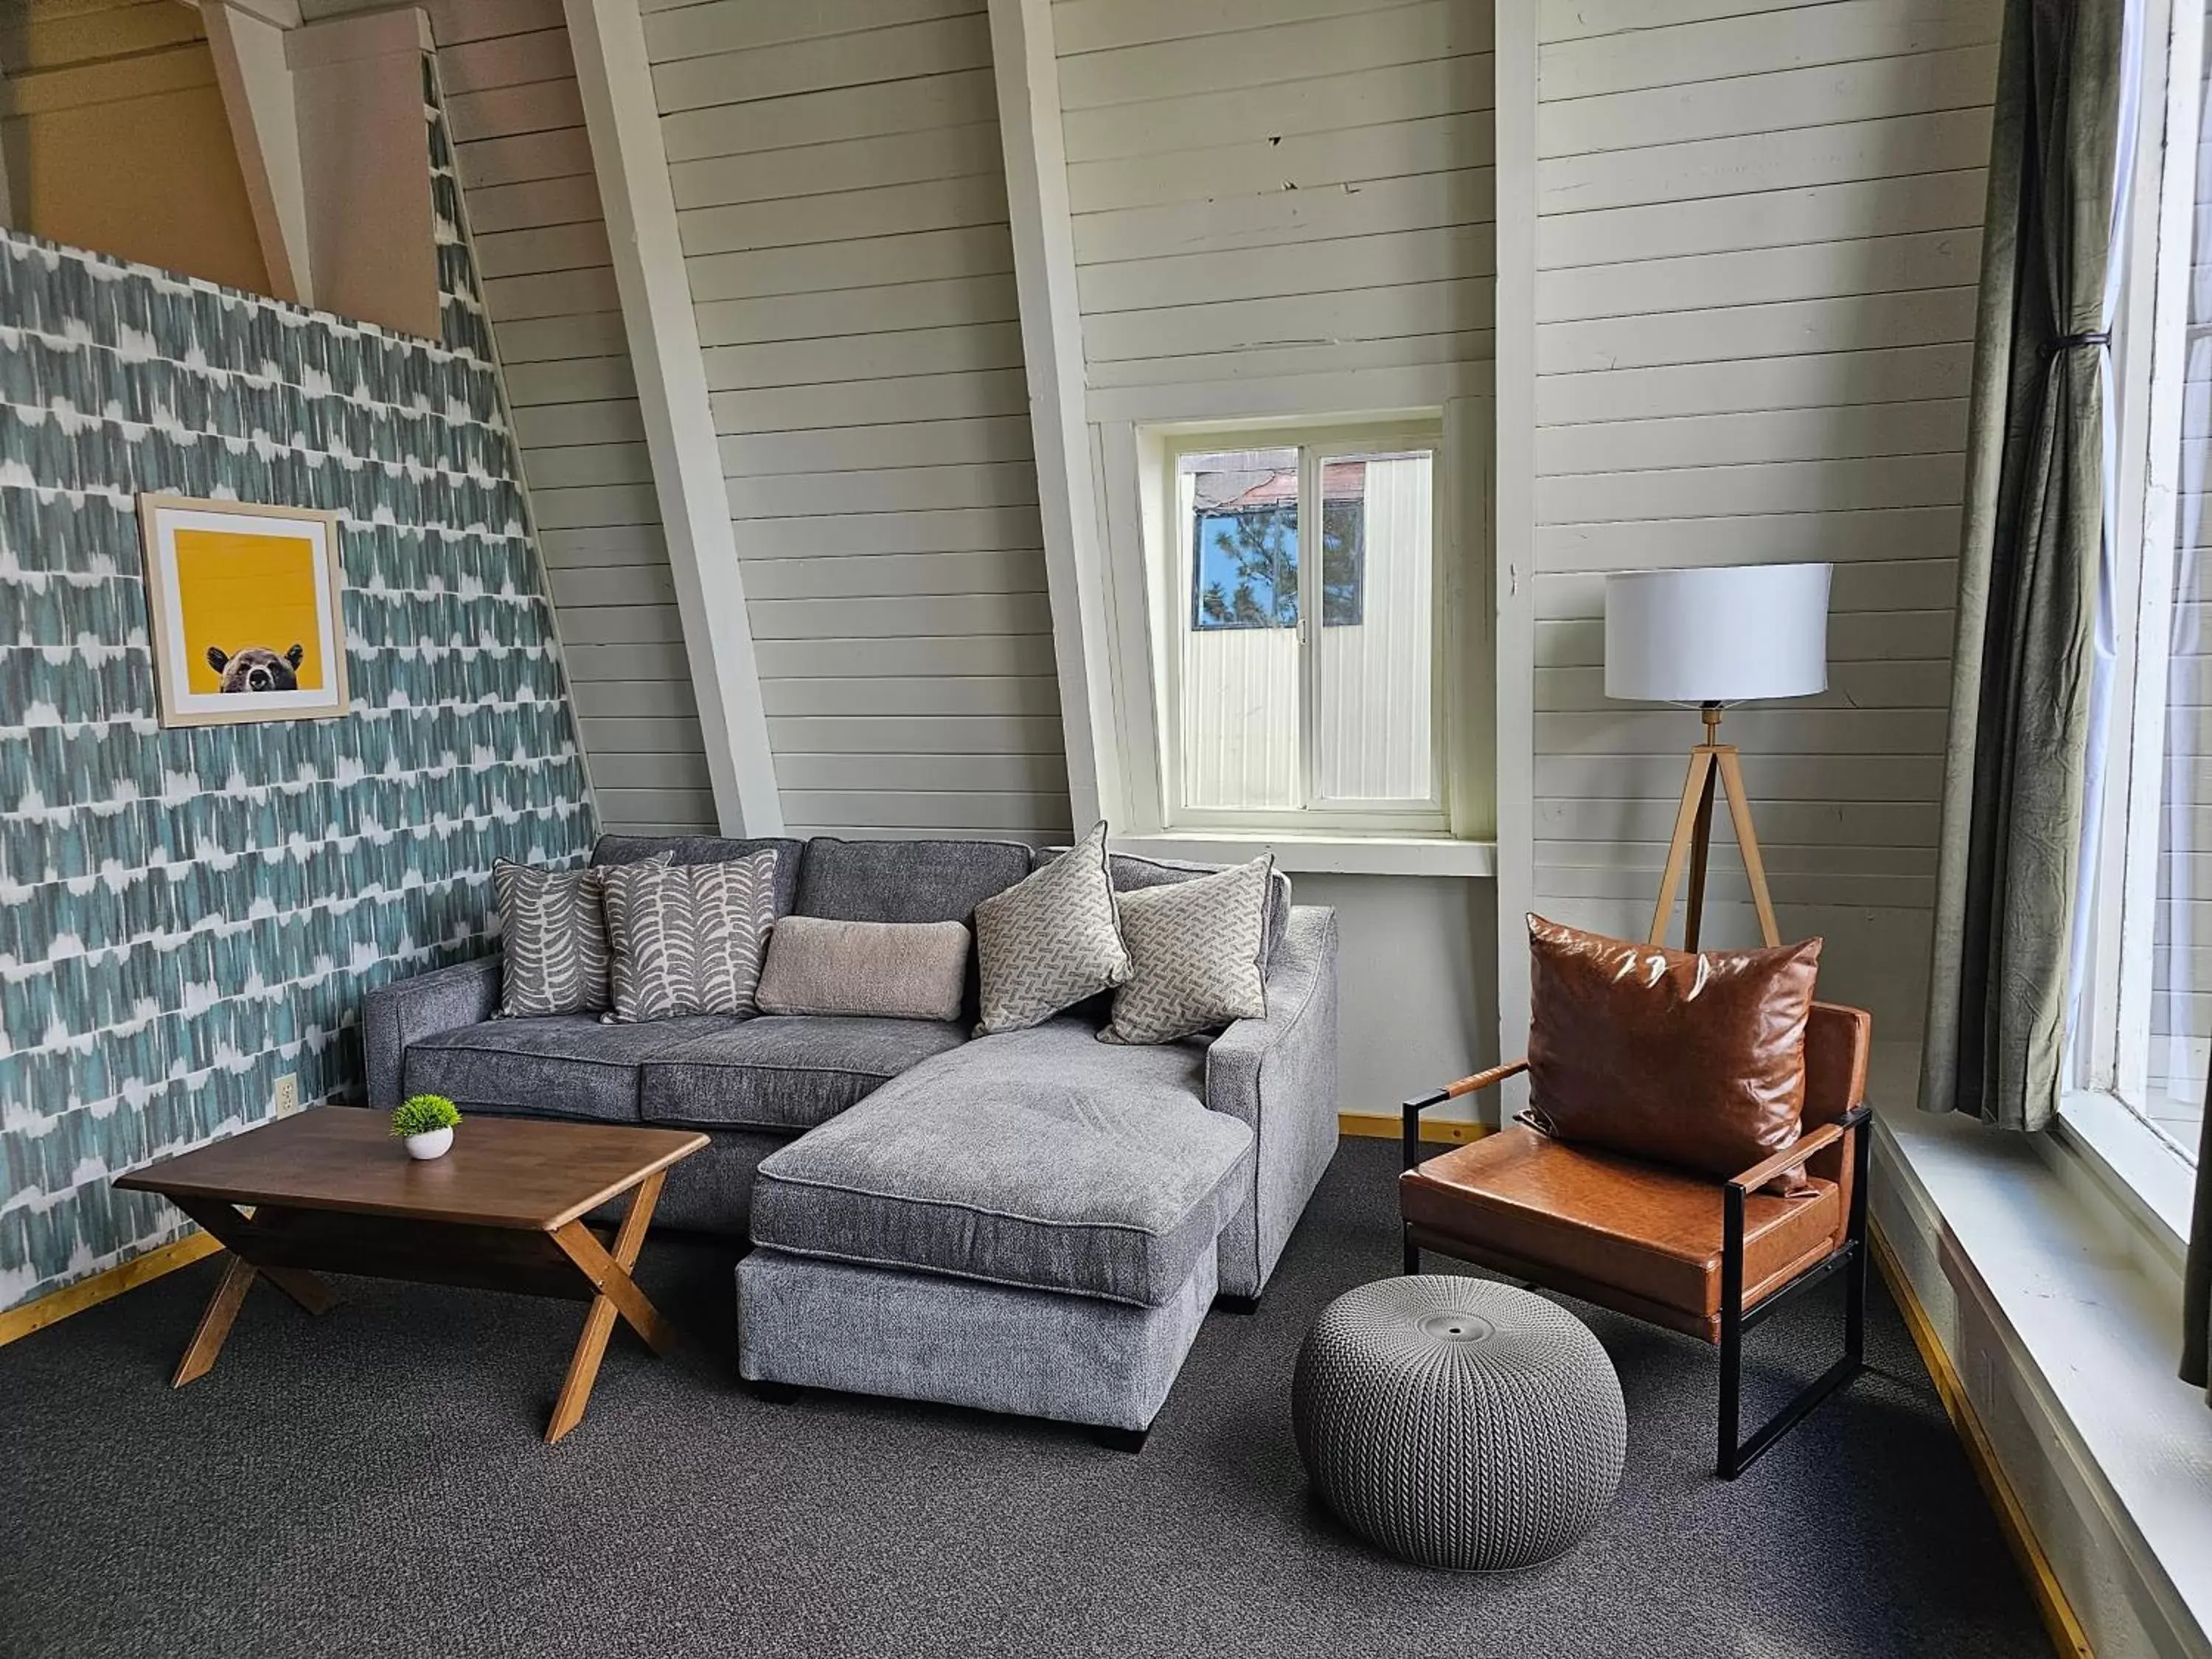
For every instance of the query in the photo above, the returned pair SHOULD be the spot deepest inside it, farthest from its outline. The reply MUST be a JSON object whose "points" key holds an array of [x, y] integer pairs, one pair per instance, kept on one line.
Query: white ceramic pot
{"points": [[434, 1144]]}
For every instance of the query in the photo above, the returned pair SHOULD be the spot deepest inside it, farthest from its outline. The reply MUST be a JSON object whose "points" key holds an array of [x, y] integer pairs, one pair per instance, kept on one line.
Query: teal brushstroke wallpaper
{"points": [[185, 915]]}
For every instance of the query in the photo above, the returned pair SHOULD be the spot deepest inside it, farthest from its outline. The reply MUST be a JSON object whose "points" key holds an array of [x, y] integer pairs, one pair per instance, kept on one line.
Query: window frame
{"points": [[2106, 1112], [1169, 575]]}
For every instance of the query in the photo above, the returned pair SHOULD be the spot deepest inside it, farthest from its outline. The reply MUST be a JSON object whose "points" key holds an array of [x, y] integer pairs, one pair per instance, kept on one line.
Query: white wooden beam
{"points": [[615, 77], [1515, 66], [247, 43], [1052, 350], [358, 95]]}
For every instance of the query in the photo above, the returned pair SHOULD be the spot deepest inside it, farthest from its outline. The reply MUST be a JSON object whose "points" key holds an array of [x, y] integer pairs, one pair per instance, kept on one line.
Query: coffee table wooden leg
{"points": [[617, 1293], [237, 1234], [238, 1276]]}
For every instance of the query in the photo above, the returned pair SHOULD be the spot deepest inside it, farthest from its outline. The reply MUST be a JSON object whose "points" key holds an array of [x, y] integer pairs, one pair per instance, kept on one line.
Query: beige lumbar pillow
{"points": [[1199, 949], [881, 969], [1049, 940]]}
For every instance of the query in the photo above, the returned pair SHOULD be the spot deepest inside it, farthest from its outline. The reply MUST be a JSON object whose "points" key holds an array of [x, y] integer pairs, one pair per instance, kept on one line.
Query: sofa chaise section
{"points": [[1029, 1225]]}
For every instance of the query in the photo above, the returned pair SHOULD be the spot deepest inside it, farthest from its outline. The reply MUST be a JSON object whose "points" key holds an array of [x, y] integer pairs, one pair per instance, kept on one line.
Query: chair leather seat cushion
{"points": [[1651, 1231]]}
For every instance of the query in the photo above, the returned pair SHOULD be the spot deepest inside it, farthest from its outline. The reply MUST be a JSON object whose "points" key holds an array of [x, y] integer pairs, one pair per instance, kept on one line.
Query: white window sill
{"points": [[1346, 854], [2087, 1317], [2141, 1171]]}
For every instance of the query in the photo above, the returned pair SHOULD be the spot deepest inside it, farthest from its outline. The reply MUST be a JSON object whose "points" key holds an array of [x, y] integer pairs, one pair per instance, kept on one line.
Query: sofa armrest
{"points": [[408, 1010], [1277, 1074], [1281, 1052]]}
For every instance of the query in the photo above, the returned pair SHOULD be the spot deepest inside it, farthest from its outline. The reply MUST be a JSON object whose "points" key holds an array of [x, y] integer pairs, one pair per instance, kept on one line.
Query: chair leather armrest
{"points": [[1799, 1149], [1466, 1085]]}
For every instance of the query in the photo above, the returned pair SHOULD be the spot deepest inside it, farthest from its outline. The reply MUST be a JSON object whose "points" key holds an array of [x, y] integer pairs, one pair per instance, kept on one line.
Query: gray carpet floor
{"points": [[373, 1484]]}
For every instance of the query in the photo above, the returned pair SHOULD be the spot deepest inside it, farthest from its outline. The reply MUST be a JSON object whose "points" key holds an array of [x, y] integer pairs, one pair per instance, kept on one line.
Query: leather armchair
{"points": [[1713, 1259]]}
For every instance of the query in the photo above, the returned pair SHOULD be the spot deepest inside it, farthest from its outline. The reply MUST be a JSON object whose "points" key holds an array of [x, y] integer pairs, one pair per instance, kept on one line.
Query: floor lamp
{"points": [[1713, 636]]}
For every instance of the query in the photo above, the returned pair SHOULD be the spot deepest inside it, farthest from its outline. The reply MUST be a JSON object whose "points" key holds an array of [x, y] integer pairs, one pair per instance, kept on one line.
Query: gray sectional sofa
{"points": [[1034, 1222]]}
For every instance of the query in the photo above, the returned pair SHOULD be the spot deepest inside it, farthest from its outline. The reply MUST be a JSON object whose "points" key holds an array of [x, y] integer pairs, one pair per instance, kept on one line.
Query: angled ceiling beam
{"points": [[616, 80], [246, 41], [1052, 353]]}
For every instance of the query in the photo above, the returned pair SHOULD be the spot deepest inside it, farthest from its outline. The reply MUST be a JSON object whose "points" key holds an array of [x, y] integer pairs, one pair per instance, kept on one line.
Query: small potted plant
{"points": [[424, 1123]]}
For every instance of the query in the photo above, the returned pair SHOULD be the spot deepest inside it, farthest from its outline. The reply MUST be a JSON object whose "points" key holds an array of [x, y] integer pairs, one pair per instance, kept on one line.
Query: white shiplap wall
{"points": [[534, 205], [1264, 189], [1758, 239], [840, 193]]}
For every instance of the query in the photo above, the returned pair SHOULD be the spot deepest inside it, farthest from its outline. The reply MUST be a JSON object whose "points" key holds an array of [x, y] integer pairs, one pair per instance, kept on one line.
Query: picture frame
{"points": [[243, 610]]}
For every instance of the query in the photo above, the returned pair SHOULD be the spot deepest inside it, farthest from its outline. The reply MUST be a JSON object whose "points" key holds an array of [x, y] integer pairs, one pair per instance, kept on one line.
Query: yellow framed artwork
{"points": [[243, 604]]}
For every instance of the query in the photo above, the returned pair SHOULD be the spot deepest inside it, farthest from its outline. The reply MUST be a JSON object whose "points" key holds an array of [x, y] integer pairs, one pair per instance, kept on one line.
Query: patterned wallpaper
{"points": [[186, 914]]}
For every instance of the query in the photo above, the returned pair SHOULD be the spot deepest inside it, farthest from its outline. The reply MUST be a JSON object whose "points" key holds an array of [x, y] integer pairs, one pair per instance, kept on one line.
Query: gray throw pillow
{"points": [[1049, 940], [688, 937], [885, 969], [554, 957], [1199, 948]]}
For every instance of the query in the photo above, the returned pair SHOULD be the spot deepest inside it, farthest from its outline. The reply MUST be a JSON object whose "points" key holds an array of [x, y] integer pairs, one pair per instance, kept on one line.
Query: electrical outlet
{"points": [[287, 1094]]}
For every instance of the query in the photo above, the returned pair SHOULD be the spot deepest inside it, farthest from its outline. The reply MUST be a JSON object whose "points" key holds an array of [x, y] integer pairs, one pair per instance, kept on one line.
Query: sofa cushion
{"points": [[559, 1065], [708, 849], [1198, 951], [553, 938], [777, 1073], [890, 969], [1050, 940], [905, 880], [1131, 873], [1041, 1158], [689, 939]]}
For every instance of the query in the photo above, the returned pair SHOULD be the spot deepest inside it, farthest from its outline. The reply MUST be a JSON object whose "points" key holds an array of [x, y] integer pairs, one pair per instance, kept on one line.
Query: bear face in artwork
{"points": [[257, 668]]}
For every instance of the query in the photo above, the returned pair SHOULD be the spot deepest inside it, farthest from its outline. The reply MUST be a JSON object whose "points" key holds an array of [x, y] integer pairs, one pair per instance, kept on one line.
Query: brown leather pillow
{"points": [[1692, 1060]]}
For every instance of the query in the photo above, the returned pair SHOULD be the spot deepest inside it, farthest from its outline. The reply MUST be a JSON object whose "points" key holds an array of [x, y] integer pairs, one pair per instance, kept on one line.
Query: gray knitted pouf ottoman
{"points": [[1457, 1422]]}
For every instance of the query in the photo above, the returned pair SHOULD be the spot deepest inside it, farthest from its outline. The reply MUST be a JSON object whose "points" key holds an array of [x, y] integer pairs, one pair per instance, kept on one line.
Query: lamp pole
{"points": [[1702, 841]]}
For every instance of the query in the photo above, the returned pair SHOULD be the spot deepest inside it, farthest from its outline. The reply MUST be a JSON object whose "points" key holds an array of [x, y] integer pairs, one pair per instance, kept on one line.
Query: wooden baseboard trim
{"points": [[2067, 1635], [1381, 1127], [100, 1287]]}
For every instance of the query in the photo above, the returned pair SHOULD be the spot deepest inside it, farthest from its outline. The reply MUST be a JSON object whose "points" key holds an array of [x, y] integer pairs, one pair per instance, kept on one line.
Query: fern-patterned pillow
{"points": [[688, 939], [553, 940]]}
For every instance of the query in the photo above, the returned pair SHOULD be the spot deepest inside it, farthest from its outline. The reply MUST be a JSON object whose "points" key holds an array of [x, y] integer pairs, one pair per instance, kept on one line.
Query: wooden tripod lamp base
{"points": [[1712, 764]]}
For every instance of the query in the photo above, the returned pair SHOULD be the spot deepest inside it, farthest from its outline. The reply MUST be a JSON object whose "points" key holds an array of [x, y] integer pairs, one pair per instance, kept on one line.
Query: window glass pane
{"points": [[1375, 667], [1243, 517], [1239, 685], [2181, 960]]}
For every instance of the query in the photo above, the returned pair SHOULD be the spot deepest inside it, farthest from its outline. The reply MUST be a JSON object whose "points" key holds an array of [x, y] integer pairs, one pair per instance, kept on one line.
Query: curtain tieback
{"points": [[2101, 336]]}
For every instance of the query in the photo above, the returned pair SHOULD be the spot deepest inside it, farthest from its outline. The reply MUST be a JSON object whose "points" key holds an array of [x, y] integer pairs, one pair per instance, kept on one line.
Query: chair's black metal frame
{"points": [[1848, 1258]]}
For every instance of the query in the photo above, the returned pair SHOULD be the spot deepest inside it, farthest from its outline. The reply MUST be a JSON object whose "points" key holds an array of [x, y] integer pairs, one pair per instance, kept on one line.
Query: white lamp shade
{"points": [[1717, 634]]}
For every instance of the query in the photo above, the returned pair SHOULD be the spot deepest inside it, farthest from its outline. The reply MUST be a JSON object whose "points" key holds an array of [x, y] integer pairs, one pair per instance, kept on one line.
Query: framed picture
{"points": [[243, 604]]}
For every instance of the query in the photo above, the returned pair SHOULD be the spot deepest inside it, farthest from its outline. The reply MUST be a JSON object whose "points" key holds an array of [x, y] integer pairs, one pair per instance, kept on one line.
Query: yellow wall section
{"points": [[237, 591], [116, 140]]}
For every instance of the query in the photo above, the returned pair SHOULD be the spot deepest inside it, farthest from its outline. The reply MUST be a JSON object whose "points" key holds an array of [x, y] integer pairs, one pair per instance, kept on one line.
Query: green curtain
{"points": [[2014, 771]]}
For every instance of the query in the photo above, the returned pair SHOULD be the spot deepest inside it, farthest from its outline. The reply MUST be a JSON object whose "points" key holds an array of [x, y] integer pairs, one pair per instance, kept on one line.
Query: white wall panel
{"points": [[1757, 237], [1267, 190], [840, 188], [525, 168]]}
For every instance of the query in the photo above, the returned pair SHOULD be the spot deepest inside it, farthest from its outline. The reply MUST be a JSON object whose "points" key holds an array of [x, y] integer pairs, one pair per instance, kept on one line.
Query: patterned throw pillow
{"points": [[1199, 948], [553, 939], [688, 939], [1049, 940]]}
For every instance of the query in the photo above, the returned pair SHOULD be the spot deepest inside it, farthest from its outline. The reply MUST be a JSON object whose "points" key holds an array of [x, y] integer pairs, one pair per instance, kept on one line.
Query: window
{"points": [[2143, 1009], [1297, 628]]}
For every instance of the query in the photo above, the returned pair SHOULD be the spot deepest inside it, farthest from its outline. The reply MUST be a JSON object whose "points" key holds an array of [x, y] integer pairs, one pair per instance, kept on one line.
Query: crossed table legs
{"points": [[286, 1245]]}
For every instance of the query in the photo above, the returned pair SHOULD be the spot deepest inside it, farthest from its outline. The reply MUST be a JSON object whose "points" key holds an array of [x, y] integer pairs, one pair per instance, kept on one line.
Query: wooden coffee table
{"points": [[331, 1191]]}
